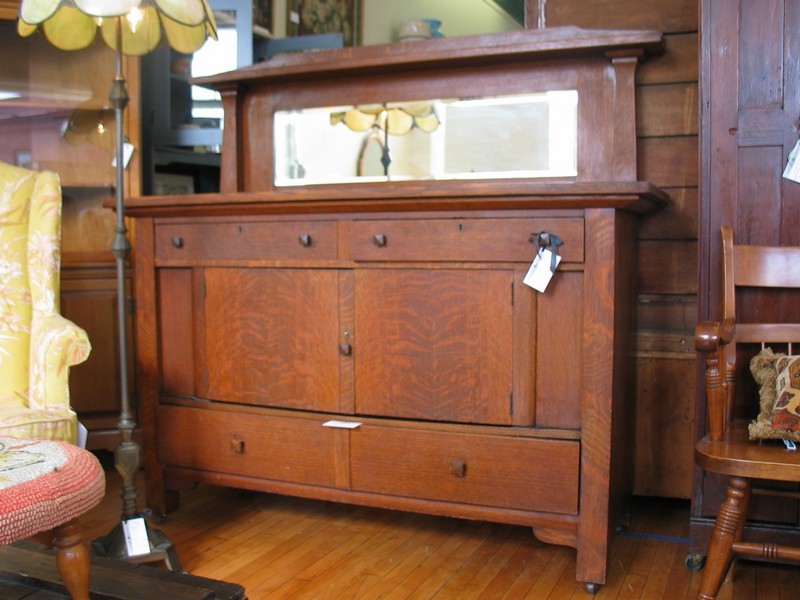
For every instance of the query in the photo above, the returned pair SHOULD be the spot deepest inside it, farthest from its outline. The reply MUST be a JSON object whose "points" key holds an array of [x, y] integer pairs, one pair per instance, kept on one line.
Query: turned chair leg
{"points": [[728, 528], [72, 559]]}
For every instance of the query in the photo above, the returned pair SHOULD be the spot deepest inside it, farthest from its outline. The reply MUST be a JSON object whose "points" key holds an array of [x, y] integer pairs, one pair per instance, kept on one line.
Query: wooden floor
{"points": [[279, 547]]}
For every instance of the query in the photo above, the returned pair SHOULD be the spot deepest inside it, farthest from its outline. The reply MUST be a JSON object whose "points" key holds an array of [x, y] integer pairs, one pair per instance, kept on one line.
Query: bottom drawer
{"points": [[505, 472], [263, 446]]}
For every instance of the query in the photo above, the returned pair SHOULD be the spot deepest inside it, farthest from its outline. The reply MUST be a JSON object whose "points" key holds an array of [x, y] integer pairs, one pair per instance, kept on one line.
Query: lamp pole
{"points": [[127, 456]]}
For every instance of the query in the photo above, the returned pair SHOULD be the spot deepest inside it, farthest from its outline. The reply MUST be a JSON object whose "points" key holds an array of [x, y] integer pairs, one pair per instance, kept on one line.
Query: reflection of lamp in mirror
{"points": [[92, 124], [394, 120]]}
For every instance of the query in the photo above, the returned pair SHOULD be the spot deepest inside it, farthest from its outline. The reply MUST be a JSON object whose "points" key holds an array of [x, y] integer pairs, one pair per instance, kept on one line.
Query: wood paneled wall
{"points": [[667, 131]]}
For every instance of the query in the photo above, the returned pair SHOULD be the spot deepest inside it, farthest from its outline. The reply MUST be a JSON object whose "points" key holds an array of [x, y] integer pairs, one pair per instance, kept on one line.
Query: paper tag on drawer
{"points": [[335, 423], [539, 274]]}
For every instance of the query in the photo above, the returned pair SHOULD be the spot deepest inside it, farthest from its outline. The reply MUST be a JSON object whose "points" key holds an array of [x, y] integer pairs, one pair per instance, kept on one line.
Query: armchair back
{"points": [[37, 344]]}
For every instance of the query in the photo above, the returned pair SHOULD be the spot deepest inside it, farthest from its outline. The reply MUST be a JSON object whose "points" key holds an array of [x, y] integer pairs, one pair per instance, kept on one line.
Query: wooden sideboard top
{"points": [[504, 194], [383, 59]]}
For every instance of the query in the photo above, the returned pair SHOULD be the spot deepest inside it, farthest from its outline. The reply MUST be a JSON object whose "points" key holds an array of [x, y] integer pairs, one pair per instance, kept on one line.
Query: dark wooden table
{"points": [[28, 571]]}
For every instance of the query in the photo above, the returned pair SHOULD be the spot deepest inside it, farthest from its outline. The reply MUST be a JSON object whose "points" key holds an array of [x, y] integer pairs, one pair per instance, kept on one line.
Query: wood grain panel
{"points": [[667, 110], [676, 313], [558, 360], [434, 344], [177, 332], [679, 220], [242, 443], [94, 384], [484, 240], [664, 15], [476, 469], [679, 63], [669, 161], [240, 241], [264, 345], [664, 463], [758, 215], [667, 267]]}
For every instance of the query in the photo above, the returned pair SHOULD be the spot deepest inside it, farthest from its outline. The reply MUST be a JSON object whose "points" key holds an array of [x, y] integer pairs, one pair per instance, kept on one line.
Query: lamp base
{"points": [[113, 545]]}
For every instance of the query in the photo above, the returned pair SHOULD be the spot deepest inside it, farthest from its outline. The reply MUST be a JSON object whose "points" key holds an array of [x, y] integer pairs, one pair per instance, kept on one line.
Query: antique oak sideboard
{"points": [[372, 341]]}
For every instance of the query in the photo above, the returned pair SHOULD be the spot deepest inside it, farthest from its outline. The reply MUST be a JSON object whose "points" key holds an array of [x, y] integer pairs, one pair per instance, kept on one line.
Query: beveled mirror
{"points": [[517, 135]]}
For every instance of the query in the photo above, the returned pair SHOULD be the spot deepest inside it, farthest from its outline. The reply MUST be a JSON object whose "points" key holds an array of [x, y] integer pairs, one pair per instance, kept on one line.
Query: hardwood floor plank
{"points": [[342, 573], [549, 577], [309, 553], [473, 538], [533, 559], [479, 585], [282, 548], [408, 560], [433, 563]]}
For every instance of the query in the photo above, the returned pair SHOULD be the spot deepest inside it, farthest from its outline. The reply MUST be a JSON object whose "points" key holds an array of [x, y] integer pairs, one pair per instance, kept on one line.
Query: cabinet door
{"points": [[434, 344], [272, 337]]}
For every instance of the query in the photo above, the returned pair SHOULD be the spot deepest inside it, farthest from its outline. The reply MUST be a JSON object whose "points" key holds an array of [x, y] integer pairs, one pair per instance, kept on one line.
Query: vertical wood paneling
{"points": [[760, 57], [759, 209], [749, 123]]}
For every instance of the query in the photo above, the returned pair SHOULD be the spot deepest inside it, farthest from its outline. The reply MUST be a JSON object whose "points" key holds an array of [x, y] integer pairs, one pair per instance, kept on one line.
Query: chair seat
{"points": [[44, 484], [736, 455]]}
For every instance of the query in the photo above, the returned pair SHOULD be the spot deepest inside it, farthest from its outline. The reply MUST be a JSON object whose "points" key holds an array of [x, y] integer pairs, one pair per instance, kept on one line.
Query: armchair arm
{"points": [[710, 335], [710, 340], [56, 345]]}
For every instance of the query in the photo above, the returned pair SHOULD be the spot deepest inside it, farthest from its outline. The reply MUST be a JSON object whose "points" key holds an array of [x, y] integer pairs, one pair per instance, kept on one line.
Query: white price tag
{"points": [[539, 274], [136, 541], [127, 153], [341, 424], [792, 170], [83, 435]]}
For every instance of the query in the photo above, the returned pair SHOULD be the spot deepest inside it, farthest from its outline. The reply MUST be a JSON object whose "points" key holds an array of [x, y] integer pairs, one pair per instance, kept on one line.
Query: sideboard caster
{"points": [[694, 561], [592, 588]]}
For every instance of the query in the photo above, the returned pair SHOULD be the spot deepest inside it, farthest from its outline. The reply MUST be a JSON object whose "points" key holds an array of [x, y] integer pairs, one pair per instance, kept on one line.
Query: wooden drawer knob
{"points": [[305, 240], [379, 240], [458, 468], [237, 445], [177, 241]]}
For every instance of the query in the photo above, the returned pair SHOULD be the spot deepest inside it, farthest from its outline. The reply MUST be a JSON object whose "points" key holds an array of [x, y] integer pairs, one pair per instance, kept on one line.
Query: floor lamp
{"points": [[133, 28]]}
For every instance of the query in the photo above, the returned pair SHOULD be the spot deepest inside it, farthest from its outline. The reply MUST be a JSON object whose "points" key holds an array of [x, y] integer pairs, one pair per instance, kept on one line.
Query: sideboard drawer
{"points": [[488, 470], [290, 240], [481, 240], [241, 443]]}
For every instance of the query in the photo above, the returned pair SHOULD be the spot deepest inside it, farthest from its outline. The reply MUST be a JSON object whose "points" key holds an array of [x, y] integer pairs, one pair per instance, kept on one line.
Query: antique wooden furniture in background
{"points": [[58, 122], [749, 126], [373, 342], [727, 346]]}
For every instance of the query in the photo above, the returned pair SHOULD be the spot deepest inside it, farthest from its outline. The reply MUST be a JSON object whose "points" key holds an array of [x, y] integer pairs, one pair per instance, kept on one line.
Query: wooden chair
{"points": [[727, 448]]}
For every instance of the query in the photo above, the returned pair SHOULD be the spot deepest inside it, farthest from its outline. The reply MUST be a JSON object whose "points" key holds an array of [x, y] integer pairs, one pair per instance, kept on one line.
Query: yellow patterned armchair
{"points": [[37, 344]]}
